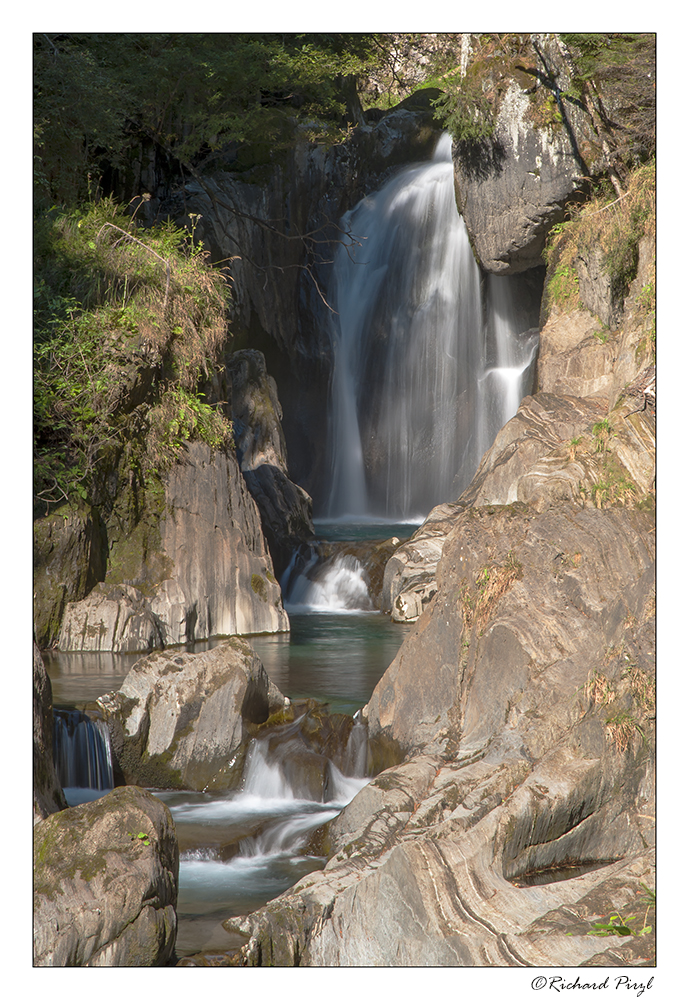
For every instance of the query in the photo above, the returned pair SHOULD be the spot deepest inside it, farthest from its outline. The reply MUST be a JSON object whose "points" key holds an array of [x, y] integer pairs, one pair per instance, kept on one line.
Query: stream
{"points": [[240, 849]]}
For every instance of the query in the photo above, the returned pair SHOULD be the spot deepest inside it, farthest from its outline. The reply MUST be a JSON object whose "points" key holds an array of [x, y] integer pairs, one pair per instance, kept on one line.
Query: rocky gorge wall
{"points": [[521, 709], [520, 712]]}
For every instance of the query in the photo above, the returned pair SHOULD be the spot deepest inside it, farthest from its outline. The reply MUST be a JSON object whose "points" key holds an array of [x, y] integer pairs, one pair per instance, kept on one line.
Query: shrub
{"points": [[128, 325]]}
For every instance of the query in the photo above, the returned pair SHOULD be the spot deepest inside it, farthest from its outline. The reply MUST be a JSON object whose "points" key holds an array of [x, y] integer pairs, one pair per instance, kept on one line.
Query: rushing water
{"points": [[416, 398], [240, 849]]}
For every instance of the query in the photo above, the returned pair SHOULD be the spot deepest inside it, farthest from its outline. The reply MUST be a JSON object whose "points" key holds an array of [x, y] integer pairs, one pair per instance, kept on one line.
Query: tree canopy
{"points": [[193, 94]]}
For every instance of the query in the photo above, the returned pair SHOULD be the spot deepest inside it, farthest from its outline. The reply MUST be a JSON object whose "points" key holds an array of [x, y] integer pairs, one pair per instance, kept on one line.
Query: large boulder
{"points": [[105, 883], [48, 796], [201, 570], [513, 186], [183, 720]]}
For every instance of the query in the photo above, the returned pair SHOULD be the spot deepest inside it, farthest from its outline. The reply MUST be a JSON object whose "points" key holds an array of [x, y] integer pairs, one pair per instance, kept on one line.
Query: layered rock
{"points": [[105, 883], [182, 720], [202, 569]]}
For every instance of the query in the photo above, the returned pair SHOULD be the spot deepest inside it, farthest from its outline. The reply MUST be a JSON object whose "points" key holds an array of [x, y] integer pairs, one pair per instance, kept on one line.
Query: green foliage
{"points": [[616, 924], [127, 324], [97, 96], [143, 838], [620, 66], [463, 110]]}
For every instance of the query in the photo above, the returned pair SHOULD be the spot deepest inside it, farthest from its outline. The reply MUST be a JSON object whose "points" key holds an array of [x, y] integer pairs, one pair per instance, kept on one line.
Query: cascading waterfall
{"points": [[83, 758], [412, 410], [253, 844]]}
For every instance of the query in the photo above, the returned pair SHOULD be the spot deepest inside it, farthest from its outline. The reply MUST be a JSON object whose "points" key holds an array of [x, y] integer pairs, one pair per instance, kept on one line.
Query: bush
{"points": [[129, 324]]}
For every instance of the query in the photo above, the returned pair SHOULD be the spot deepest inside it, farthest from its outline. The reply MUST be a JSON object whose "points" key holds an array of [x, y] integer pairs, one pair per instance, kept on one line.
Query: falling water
{"points": [[83, 758], [253, 844], [336, 584], [412, 409]]}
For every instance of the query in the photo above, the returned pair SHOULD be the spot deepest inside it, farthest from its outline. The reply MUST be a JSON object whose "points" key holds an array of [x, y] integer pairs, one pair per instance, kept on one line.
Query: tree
{"points": [[98, 96]]}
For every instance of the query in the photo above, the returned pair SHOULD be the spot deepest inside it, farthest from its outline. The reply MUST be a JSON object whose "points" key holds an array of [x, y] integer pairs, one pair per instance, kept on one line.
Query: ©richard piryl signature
{"points": [[624, 983]]}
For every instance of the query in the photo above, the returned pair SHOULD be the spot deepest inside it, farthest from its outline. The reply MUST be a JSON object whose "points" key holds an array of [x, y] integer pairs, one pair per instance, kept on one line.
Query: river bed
{"points": [[240, 849]]}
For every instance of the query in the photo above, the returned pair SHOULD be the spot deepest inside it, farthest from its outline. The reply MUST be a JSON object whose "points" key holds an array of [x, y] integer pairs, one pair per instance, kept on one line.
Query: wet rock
{"points": [[103, 895], [182, 720], [47, 793]]}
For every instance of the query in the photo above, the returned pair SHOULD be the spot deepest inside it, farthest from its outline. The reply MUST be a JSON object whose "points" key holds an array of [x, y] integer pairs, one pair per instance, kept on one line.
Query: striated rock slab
{"points": [[541, 425], [180, 719], [523, 811], [213, 537], [103, 896], [110, 618], [213, 574], [69, 559]]}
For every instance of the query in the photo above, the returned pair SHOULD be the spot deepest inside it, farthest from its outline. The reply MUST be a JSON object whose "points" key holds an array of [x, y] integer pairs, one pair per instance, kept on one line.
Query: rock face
{"points": [[212, 574], [285, 508], [512, 187], [69, 559], [523, 707], [182, 720], [103, 895], [47, 793]]}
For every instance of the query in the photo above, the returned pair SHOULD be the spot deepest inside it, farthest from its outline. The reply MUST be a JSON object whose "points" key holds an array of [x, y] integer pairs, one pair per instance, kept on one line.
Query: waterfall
{"points": [[83, 758], [413, 405]]}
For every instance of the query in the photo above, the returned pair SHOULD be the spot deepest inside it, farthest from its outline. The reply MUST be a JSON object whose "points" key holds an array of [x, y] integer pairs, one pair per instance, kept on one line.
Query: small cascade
{"points": [[510, 360], [83, 758], [335, 584], [251, 845]]}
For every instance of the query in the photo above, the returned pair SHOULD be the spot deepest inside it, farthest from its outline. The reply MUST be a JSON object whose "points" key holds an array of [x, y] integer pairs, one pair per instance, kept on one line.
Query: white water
{"points": [[337, 585], [412, 410], [269, 821]]}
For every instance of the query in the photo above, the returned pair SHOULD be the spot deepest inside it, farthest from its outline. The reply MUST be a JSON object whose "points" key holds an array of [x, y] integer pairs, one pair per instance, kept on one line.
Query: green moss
{"points": [[258, 585]]}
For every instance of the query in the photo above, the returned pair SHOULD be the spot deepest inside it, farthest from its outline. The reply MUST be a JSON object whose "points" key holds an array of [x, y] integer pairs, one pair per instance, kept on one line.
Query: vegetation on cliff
{"points": [[99, 97], [607, 227], [128, 327]]}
